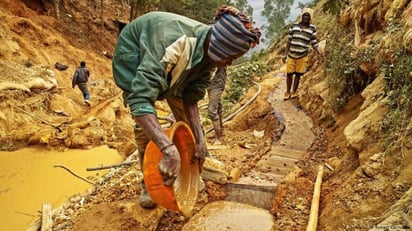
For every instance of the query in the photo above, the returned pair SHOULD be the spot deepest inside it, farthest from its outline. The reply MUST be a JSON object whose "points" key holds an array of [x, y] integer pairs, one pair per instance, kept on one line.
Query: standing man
{"points": [[163, 55], [80, 78], [301, 35], [215, 109]]}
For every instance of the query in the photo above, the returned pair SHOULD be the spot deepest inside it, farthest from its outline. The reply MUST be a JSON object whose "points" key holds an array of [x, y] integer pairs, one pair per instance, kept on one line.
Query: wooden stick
{"points": [[46, 217], [71, 172], [112, 166], [329, 167], [27, 214], [34, 116], [314, 208]]}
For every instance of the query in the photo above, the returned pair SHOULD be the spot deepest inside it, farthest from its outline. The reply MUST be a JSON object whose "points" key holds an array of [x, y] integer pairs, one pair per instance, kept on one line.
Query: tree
{"points": [[334, 7], [101, 13], [137, 8], [276, 12], [172, 6], [57, 8], [243, 5], [202, 10]]}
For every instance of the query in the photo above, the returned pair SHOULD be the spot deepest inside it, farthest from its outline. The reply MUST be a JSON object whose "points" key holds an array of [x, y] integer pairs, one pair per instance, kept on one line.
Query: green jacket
{"points": [[158, 55]]}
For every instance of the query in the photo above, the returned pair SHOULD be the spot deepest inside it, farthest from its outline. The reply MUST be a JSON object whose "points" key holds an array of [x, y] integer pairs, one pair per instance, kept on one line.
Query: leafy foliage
{"points": [[343, 67], [239, 81], [398, 88], [398, 79], [202, 11], [276, 12], [334, 7], [243, 5]]}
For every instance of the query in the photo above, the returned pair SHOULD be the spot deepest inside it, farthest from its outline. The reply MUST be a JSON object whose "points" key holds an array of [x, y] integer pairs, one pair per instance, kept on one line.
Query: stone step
{"points": [[260, 179], [285, 152], [256, 195]]}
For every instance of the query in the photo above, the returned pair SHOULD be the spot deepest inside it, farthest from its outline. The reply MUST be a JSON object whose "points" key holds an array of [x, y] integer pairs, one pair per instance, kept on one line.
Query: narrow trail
{"points": [[295, 139], [254, 191]]}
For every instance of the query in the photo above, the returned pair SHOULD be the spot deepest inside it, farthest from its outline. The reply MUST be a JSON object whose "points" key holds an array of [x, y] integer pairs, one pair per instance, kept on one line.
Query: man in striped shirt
{"points": [[301, 36]]}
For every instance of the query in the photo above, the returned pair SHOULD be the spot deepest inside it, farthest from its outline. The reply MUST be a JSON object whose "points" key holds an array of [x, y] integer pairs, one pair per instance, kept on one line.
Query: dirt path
{"points": [[290, 145], [257, 186], [295, 138]]}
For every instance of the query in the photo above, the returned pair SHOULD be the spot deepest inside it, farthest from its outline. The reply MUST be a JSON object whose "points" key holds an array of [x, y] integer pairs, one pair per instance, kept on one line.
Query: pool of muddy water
{"points": [[29, 178]]}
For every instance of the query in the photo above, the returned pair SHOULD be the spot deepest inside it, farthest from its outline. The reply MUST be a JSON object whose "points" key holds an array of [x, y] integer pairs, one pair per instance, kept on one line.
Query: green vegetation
{"points": [[334, 7], [276, 13], [200, 10], [386, 56], [396, 128], [397, 72], [239, 82], [398, 88], [343, 68]]}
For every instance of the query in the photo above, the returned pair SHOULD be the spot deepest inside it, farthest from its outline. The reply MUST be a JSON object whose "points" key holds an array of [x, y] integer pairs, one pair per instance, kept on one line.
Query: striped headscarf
{"points": [[232, 35]]}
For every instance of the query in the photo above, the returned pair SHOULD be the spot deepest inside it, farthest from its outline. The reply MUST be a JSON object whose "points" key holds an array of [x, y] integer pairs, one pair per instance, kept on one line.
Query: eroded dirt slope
{"points": [[38, 104]]}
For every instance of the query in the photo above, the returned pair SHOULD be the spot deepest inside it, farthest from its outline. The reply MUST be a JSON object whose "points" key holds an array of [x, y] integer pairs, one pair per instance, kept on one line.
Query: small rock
{"points": [[377, 157], [372, 170]]}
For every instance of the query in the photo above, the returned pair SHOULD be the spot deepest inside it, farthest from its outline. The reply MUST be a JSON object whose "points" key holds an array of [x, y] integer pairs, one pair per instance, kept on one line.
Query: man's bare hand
{"points": [[169, 165], [200, 155]]}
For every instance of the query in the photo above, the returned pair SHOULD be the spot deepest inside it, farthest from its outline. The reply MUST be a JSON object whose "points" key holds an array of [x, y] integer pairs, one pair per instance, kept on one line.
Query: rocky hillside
{"points": [[360, 100], [38, 104]]}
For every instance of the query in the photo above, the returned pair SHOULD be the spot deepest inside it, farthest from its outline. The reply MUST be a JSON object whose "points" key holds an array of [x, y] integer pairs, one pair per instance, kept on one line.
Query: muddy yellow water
{"points": [[28, 179], [225, 215]]}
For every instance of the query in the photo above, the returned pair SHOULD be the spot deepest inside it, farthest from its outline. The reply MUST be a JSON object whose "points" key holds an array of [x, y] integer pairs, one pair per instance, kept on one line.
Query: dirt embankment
{"points": [[370, 181], [39, 106]]}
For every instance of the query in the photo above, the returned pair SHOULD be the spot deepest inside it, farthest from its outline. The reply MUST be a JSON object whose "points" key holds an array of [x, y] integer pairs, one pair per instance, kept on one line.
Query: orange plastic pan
{"points": [[183, 194]]}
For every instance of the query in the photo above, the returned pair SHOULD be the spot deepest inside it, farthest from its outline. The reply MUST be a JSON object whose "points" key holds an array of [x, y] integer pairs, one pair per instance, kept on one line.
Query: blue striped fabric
{"points": [[230, 38]]}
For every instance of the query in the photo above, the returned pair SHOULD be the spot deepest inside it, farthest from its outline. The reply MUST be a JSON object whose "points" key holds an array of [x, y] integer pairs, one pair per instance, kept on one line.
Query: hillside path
{"points": [[257, 187], [295, 139]]}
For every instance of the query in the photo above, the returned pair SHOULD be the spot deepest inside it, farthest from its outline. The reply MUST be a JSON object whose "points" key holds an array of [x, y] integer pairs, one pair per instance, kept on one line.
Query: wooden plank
{"points": [[255, 195], [46, 217], [314, 208], [287, 152]]}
